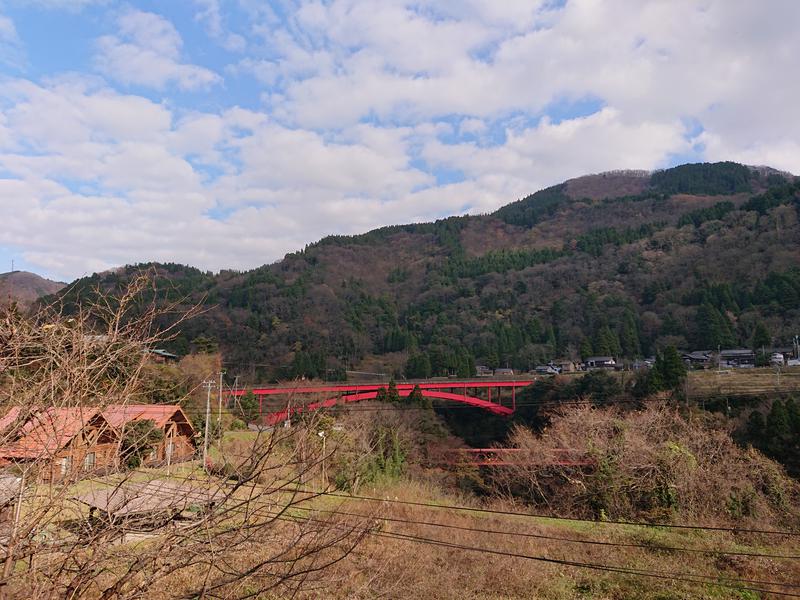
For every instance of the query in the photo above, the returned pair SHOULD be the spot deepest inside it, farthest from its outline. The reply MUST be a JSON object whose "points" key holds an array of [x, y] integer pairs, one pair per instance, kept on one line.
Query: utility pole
{"points": [[324, 475], [219, 414], [208, 384]]}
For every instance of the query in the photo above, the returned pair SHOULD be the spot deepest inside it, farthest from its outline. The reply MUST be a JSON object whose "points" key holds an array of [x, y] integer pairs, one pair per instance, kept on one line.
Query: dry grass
{"points": [[392, 568], [743, 382]]}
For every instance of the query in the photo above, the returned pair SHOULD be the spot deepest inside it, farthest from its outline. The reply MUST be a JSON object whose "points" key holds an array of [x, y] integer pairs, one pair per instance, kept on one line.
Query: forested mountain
{"points": [[622, 263]]}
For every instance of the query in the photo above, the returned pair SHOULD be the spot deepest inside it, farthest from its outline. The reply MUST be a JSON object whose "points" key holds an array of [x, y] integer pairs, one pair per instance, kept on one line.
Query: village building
{"points": [[600, 362], [160, 356], [177, 444], [699, 359], [483, 371], [62, 442], [567, 366], [737, 358]]}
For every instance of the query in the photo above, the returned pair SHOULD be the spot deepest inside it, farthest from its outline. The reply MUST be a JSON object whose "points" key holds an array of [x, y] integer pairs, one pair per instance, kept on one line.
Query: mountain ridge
{"points": [[703, 254], [24, 287]]}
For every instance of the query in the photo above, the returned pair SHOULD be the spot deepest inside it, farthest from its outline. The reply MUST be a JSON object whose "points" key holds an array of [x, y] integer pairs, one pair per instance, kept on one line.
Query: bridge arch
{"points": [[497, 409]]}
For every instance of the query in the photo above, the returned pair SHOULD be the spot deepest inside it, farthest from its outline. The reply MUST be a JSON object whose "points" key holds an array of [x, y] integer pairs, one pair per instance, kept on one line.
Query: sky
{"points": [[225, 133]]}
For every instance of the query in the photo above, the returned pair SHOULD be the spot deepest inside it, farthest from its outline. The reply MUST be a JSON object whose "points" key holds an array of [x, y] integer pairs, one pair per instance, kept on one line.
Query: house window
{"points": [[66, 465], [88, 462]]}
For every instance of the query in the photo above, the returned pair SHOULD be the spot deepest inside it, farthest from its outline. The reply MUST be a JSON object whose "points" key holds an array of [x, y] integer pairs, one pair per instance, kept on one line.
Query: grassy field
{"points": [[743, 382]]}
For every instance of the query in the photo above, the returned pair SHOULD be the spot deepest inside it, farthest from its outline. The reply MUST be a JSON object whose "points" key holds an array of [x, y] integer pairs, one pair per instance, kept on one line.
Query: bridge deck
{"points": [[369, 387]]}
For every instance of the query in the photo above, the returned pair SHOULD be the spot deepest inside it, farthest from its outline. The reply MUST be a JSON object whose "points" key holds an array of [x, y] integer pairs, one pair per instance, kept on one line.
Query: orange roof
{"points": [[49, 430], [120, 414], [9, 417]]}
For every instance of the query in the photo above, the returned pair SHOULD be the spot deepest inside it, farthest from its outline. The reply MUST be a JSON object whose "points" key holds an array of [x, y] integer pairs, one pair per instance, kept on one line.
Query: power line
{"points": [[549, 537], [727, 582], [556, 518]]}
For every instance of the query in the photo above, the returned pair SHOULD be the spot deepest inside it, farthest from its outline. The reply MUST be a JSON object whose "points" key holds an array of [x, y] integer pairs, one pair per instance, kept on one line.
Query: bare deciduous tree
{"points": [[82, 527]]}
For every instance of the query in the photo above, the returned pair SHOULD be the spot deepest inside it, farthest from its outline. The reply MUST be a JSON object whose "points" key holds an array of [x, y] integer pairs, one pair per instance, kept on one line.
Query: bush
{"points": [[238, 425], [651, 464]]}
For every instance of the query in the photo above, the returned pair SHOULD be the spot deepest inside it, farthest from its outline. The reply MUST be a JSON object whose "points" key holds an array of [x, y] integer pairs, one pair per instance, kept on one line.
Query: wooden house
{"points": [[177, 444], [64, 442]]}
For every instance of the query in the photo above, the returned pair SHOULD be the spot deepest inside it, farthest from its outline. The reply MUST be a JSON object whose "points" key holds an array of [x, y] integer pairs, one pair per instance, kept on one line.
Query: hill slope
{"points": [[618, 263], [24, 288]]}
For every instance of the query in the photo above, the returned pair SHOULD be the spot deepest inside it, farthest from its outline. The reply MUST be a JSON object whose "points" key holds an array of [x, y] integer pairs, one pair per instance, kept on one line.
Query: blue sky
{"points": [[224, 134]]}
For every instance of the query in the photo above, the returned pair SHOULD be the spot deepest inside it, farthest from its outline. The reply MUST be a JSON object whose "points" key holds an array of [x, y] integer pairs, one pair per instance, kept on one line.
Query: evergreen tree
{"points": [[712, 328], [629, 338], [669, 370], [586, 348], [761, 338], [415, 397], [392, 395], [778, 430], [247, 407], [418, 366], [606, 342]]}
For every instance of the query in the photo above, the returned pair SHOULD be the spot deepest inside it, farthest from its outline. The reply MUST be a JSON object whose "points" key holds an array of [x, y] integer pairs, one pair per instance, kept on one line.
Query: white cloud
{"points": [[70, 5], [11, 50], [210, 13], [365, 103], [146, 51]]}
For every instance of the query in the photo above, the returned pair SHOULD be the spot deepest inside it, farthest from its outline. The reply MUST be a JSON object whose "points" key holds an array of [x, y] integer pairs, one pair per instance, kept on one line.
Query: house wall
{"points": [[183, 449], [56, 469]]}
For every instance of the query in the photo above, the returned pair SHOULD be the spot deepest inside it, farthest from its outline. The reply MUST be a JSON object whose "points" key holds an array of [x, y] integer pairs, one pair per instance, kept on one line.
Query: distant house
{"points": [[176, 445], [699, 359], [503, 372], [737, 358], [483, 371], [599, 362], [567, 366], [546, 370], [157, 355], [64, 441]]}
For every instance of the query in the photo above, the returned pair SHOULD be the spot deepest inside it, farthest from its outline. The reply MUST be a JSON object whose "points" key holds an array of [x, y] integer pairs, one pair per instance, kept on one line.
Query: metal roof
{"points": [[157, 496]]}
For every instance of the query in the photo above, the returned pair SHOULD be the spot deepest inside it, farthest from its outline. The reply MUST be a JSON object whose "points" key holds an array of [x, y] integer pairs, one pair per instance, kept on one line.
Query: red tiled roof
{"points": [[11, 416], [120, 414], [49, 430]]}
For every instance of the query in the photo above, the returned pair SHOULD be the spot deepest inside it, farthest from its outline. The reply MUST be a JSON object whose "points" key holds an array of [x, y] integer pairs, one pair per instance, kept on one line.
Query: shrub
{"points": [[652, 464]]}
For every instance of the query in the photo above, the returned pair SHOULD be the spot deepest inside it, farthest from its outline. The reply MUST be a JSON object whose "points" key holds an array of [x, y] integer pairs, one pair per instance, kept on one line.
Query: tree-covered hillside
{"points": [[697, 256]]}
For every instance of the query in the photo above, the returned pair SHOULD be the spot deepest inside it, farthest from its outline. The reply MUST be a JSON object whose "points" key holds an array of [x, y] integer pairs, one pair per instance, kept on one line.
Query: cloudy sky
{"points": [[225, 133]]}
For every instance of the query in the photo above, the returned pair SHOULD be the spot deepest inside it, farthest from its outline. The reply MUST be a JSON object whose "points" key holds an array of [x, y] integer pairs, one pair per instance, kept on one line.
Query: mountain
{"points": [[620, 263], [25, 288]]}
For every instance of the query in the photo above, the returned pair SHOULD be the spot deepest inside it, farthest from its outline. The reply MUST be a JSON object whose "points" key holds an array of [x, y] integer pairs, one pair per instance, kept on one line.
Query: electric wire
{"points": [[728, 582]]}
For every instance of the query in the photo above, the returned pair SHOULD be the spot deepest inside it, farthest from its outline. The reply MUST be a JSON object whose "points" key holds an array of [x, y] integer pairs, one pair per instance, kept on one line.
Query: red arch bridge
{"points": [[462, 391]]}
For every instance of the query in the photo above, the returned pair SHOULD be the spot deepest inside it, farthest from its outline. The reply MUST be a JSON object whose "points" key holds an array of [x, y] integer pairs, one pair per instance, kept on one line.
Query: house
{"points": [[699, 359], [503, 372], [567, 366], [737, 359], [599, 362], [546, 370], [176, 445], [483, 371], [158, 355], [64, 440]]}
